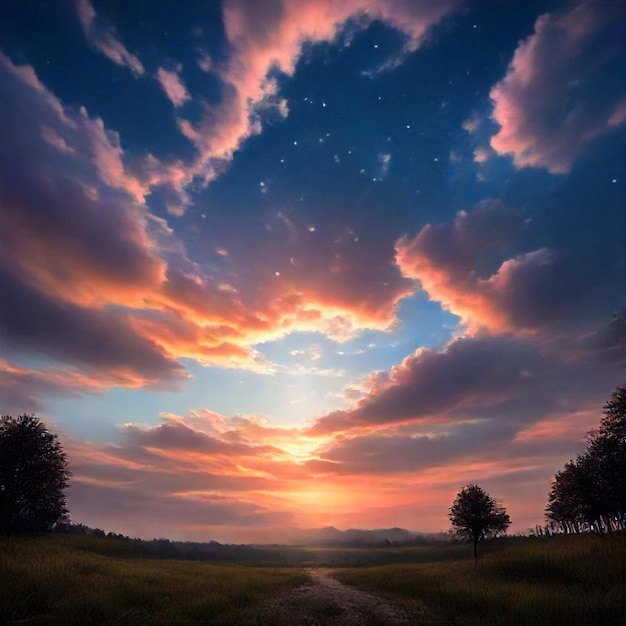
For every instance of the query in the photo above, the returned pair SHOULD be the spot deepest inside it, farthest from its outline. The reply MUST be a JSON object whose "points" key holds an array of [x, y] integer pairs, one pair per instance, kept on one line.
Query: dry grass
{"points": [[59, 580], [551, 581], [554, 581]]}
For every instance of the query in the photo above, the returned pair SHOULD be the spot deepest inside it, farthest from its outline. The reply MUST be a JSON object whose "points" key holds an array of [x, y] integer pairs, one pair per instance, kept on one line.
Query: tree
{"points": [[592, 489], [33, 476], [476, 516], [606, 452], [573, 499]]}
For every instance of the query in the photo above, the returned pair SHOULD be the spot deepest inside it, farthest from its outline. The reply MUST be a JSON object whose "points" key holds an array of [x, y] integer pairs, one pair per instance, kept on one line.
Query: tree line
{"points": [[589, 493]]}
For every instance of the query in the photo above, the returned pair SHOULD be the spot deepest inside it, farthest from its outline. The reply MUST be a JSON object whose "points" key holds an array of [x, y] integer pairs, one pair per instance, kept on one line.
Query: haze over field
{"points": [[272, 265]]}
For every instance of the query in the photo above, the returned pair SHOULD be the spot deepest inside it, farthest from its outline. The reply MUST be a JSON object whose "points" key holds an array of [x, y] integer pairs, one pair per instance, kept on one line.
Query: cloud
{"points": [[563, 88], [503, 382], [22, 388], [175, 435], [470, 374], [97, 339], [267, 38], [97, 253], [490, 410], [206, 517], [420, 467], [93, 233], [323, 279], [312, 353], [173, 86], [102, 36], [171, 177], [459, 263], [476, 268], [219, 471], [98, 261], [205, 63]]}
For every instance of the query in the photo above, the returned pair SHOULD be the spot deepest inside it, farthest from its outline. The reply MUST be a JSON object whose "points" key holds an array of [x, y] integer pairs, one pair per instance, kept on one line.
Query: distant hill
{"points": [[331, 536], [328, 536]]}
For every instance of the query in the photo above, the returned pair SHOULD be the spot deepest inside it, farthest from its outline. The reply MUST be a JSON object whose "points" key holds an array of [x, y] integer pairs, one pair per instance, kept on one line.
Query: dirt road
{"points": [[327, 602]]}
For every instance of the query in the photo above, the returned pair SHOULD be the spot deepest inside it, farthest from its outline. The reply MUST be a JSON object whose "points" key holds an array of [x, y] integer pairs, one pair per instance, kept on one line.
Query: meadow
{"points": [[563, 580], [555, 581], [71, 580]]}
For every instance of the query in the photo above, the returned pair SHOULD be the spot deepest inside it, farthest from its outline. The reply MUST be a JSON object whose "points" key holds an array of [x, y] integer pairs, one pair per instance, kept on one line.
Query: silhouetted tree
{"points": [[571, 501], [592, 489], [476, 516], [33, 476], [607, 456]]}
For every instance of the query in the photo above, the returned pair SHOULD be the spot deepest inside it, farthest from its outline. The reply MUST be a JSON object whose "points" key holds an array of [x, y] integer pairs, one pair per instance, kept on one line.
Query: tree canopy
{"points": [[476, 515], [591, 490], [33, 476]]}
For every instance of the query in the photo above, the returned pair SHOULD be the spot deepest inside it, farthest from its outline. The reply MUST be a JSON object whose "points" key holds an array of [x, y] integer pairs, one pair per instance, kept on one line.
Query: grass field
{"points": [[556, 581], [560, 581], [61, 580]]}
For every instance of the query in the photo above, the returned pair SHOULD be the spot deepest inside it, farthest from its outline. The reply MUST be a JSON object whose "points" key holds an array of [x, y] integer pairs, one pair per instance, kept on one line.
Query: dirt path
{"points": [[327, 602]]}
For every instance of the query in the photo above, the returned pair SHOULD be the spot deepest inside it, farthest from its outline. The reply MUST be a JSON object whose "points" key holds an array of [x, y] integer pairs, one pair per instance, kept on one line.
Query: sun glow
{"points": [[301, 450]]}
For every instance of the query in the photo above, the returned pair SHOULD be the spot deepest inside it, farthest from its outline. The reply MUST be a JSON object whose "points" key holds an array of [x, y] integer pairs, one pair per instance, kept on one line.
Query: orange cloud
{"points": [[229, 473], [474, 268], [454, 264]]}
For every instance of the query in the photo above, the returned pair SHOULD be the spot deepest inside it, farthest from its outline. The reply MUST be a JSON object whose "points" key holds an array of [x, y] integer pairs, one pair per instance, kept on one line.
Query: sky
{"points": [[272, 265]]}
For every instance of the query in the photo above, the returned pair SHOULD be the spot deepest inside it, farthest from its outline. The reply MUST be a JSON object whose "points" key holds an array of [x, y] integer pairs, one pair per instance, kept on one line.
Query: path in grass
{"points": [[327, 602]]}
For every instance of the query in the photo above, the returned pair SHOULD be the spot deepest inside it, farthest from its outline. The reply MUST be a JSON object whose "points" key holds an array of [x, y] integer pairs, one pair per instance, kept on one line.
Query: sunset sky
{"points": [[275, 264]]}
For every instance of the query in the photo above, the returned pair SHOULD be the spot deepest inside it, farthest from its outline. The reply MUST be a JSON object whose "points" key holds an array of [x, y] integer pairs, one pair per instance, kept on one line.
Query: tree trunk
{"points": [[600, 523], [475, 550]]}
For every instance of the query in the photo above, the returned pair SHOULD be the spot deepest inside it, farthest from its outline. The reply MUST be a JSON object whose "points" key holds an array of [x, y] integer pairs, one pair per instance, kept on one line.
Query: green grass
{"points": [[553, 581], [62, 580]]}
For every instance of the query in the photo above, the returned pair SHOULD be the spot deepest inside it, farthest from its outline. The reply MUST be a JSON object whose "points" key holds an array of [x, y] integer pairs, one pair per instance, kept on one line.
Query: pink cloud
{"points": [[103, 37], [173, 86], [106, 154], [470, 376], [263, 38], [482, 154], [55, 140], [560, 91], [267, 36], [69, 131], [482, 388], [26, 75]]}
